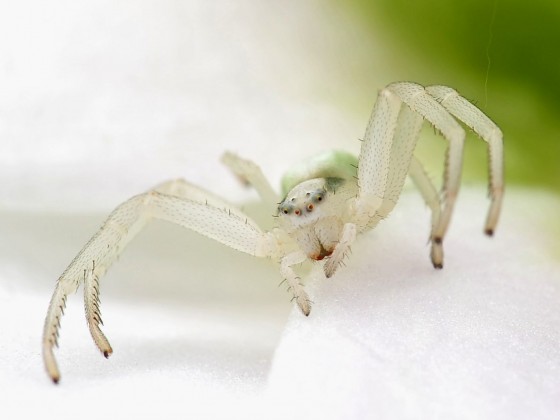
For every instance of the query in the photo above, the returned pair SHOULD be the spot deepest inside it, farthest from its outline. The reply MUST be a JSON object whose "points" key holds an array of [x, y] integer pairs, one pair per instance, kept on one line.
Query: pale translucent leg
{"points": [[416, 97], [347, 238], [405, 137], [375, 158], [183, 189], [431, 198], [389, 143], [251, 173], [206, 214], [294, 281], [403, 162], [380, 172], [487, 131], [406, 134], [90, 263], [93, 312]]}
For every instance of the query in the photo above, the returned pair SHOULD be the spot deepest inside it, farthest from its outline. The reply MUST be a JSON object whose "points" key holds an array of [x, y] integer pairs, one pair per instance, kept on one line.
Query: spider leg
{"points": [[487, 131], [204, 213], [294, 281], [387, 151], [250, 173], [347, 238], [431, 198], [93, 312], [375, 158], [385, 157], [416, 97], [404, 142]]}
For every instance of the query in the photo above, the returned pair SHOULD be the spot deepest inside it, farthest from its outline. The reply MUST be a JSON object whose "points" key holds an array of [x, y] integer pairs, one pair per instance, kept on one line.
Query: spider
{"points": [[326, 203]]}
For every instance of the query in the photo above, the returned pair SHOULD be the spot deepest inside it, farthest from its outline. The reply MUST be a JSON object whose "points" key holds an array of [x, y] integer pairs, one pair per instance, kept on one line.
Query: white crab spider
{"points": [[326, 203]]}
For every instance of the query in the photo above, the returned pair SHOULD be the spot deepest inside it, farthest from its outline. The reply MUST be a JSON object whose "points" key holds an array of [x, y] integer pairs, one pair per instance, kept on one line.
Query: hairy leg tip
{"points": [[489, 232]]}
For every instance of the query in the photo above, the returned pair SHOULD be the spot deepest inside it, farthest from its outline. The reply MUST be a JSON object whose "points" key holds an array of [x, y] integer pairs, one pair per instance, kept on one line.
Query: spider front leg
{"points": [[440, 105], [389, 143], [90, 263], [342, 248], [399, 141], [385, 157], [294, 281], [488, 131], [421, 102], [201, 212], [431, 198]]}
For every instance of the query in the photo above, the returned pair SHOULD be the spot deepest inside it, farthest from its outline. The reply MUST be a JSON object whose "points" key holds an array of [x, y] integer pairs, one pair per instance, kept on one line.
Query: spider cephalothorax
{"points": [[314, 213], [327, 202]]}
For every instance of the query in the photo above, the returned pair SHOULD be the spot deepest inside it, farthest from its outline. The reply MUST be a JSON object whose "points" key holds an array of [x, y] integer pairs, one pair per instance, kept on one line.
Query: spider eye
{"points": [[317, 197], [310, 207], [285, 208]]}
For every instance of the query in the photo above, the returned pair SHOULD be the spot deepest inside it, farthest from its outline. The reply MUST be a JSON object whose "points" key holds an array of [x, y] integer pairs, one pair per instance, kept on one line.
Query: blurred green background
{"points": [[502, 55]]}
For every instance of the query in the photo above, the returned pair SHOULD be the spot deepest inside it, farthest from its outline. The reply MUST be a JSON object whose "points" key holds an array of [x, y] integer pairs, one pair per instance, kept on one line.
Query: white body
{"points": [[327, 202]]}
